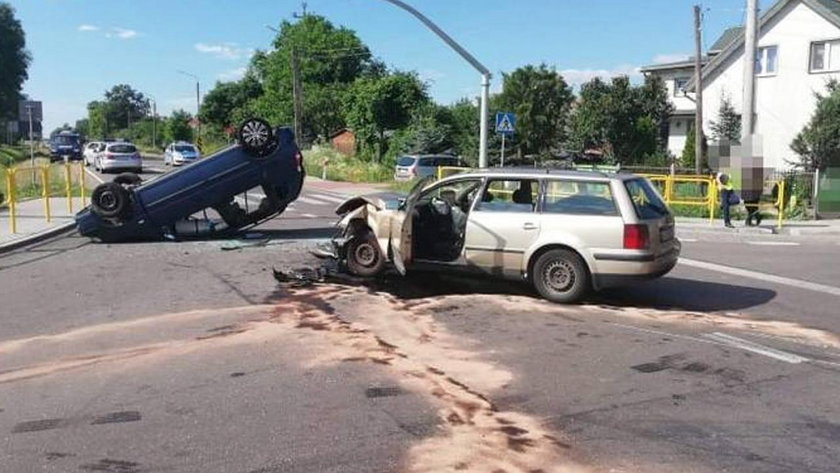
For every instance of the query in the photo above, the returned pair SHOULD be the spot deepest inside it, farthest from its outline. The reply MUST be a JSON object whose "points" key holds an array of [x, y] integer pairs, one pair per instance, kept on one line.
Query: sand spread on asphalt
{"points": [[403, 337]]}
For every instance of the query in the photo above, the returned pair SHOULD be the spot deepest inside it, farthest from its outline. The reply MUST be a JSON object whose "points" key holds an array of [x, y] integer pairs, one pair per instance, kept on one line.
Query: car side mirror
{"points": [[401, 202]]}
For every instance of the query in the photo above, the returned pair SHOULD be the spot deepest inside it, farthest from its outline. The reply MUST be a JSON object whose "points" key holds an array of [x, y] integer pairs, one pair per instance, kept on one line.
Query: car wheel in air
{"points": [[256, 136], [560, 276], [128, 179], [364, 258], [110, 200]]}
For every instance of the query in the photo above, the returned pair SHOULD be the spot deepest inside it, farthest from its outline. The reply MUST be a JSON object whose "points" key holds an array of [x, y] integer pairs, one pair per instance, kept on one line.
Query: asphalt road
{"points": [[190, 356]]}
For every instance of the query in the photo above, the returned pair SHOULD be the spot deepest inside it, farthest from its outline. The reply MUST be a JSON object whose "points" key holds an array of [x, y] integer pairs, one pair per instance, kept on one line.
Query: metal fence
{"points": [[42, 182]]}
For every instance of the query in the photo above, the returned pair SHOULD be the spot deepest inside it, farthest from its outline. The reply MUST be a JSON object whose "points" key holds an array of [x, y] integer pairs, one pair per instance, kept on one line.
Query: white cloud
{"points": [[576, 77], [670, 57], [122, 33], [85, 28], [233, 74], [224, 50]]}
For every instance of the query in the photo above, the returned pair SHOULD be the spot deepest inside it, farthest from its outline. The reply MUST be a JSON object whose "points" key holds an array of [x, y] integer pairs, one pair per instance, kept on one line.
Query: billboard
{"points": [[24, 106]]}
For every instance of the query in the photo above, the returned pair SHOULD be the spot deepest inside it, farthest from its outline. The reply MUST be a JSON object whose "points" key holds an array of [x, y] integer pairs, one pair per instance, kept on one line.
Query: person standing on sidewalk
{"points": [[727, 198]]}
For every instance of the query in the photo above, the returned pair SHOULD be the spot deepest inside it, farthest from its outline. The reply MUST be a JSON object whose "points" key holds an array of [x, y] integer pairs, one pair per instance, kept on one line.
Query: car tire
{"points": [[560, 276], [110, 200], [256, 137], [364, 258], [128, 179]]}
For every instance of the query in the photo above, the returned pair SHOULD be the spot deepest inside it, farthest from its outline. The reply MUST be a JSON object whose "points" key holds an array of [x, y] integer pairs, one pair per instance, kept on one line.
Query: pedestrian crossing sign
{"points": [[505, 123]]}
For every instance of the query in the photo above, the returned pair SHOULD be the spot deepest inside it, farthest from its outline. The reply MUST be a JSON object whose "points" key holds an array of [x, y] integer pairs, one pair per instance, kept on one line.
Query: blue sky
{"points": [[80, 48]]}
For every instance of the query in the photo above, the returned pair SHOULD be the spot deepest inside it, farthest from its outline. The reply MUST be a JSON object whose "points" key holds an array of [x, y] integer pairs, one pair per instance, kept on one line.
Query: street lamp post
{"points": [[153, 101], [485, 73], [197, 103]]}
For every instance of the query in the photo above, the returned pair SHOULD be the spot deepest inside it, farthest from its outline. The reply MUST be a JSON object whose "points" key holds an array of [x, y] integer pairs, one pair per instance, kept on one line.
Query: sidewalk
{"points": [[31, 222], [768, 227]]}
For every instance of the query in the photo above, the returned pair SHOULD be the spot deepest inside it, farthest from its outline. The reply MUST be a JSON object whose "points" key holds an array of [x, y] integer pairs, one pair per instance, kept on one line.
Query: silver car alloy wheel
{"points": [[255, 133]]}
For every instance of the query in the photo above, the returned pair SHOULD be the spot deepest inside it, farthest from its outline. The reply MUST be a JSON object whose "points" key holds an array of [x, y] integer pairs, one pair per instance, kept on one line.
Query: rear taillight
{"points": [[636, 237], [109, 156], [414, 171], [299, 158]]}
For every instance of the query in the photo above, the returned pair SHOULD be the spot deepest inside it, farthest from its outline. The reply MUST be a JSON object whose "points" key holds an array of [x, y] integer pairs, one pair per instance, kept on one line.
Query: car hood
{"points": [[358, 201]]}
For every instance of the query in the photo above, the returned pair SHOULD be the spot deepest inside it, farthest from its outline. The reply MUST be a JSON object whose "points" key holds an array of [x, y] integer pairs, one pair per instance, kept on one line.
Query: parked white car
{"points": [[91, 150], [119, 156], [179, 153], [564, 232]]}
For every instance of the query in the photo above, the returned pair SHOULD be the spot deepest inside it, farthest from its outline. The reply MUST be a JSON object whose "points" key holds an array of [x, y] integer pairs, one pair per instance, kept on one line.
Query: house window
{"points": [[765, 60], [679, 86], [825, 56]]}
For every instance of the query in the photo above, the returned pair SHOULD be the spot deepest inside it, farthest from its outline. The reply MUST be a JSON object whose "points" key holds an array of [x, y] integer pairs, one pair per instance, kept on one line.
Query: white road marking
{"points": [[747, 345], [668, 334], [773, 243], [94, 175], [307, 200], [688, 240], [308, 216], [329, 198], [798, 283]]}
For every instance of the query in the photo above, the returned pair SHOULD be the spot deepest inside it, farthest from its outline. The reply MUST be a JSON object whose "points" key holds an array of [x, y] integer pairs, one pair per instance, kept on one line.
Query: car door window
{"points": [[578, 198], [509, 195]]}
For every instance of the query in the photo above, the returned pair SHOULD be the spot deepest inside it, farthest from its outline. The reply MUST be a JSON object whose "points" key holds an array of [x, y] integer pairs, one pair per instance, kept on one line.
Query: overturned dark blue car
{"points": [[235, 188]]}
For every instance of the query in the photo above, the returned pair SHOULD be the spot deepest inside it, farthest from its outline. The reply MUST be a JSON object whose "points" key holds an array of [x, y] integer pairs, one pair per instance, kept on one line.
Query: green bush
{"points": [[345, 168]]}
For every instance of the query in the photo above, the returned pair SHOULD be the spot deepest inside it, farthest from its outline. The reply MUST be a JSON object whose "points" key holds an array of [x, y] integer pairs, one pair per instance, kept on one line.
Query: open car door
{"points": [[401, 226]]}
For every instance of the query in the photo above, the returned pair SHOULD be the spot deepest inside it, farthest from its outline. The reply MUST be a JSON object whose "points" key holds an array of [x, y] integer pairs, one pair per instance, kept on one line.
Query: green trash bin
{"points": [[828, 196]]}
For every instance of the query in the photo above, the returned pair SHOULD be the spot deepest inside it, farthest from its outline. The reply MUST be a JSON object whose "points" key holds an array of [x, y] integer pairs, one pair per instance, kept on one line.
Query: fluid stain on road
{"points": [[424, 357]]}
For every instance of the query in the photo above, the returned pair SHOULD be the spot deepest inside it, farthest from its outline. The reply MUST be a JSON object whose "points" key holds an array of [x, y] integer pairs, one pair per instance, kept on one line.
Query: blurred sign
{"points": [[505, 123], [24, 108]]}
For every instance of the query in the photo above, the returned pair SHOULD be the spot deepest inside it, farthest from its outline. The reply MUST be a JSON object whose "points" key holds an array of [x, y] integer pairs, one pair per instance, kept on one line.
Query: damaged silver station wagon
{"points": [[565, 232]]}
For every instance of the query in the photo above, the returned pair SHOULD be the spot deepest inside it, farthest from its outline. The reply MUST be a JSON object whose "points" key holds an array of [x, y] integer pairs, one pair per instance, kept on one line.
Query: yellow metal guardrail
{"points": [[709, 196], [45, 179]]}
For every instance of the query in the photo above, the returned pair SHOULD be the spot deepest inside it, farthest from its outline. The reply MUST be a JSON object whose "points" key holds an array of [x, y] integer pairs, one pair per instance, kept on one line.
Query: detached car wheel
{"points": [[110, 200], [364, 258], [257, 137], [560, 276], [128, 179]]}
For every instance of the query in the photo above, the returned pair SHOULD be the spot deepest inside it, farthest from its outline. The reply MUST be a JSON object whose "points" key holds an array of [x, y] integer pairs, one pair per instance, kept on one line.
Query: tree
{"points": [[220, 103], [465, 126], [330, 58], [82, 127], [689, 151], [123, 105], [429, 132], [97, 121], [374, 106], [14, 59], [541, 99], [621, 119], [728, 125], [818, 144], [177, 127]]}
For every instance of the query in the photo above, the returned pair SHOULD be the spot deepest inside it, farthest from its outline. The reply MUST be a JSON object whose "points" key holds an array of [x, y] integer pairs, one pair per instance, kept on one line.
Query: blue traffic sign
{"points": [[505, 123]]}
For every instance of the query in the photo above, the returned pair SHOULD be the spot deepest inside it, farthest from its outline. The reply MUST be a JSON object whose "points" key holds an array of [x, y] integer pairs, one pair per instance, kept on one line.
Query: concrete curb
{"points": [[36, 237]]}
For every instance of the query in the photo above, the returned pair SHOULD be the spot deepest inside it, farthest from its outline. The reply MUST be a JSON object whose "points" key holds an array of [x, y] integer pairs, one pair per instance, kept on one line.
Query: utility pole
{"points": [[31, 143], [297, 93], [698, 87], [154, 124], [485, 73], [197, 105], [749, 75]]}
